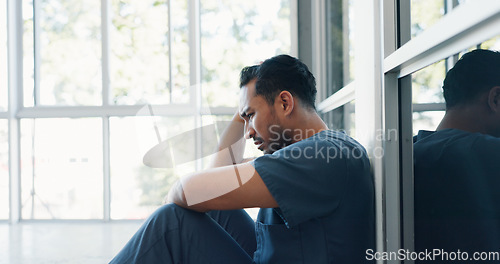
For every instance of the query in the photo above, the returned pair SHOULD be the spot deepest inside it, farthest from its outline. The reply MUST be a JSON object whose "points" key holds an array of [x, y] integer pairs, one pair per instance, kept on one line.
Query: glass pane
{"points": [[342, 118], [424, 14], [140, 40], [62, 169], [238, 33], [70, 52], [427, 84], [4, 170], [136, 189], [428, 120], [28, 48], [3, 55], [339, 45], [180, 51], [491, 44]]}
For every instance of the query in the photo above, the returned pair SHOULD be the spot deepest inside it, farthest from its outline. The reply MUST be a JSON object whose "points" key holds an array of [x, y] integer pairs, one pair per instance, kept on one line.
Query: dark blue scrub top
{"points": [[457, 191], [325, 194]]}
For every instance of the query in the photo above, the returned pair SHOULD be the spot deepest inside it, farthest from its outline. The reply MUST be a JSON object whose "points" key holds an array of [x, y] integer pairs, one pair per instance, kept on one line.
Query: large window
{"points": [[104, 81], [402, 50]]}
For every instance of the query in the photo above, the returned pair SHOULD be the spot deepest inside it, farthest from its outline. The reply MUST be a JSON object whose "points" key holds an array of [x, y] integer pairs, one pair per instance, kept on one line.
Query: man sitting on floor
{"points": [[457, 167], [313, 184]]}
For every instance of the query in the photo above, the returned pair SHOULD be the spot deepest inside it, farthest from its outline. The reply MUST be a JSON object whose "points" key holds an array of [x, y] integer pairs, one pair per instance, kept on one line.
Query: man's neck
{"points": [[308, 125], [465, 118]]}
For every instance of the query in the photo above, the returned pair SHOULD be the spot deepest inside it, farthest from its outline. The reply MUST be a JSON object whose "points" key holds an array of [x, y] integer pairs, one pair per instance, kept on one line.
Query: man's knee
{"points": [[169, 208], [172, 212], [167, 211]]}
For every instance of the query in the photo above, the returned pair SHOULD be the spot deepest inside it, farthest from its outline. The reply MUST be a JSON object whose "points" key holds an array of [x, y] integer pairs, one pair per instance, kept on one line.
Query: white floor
{"points": [[63, 242]]}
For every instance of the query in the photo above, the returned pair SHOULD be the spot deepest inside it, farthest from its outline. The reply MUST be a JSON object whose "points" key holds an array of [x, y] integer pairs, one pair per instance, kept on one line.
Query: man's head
{"points": [[472, 93], [472, 76], [285, 73], [248, 74], [273, 99]]}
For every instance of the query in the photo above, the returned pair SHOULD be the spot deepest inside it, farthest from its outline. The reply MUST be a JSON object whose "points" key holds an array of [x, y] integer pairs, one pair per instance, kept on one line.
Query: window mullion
{"points": [[37, 55], [170, 53], [195, 73], [106, 169], [294, 28], [15, 103], [318, 66], [105, 26]]}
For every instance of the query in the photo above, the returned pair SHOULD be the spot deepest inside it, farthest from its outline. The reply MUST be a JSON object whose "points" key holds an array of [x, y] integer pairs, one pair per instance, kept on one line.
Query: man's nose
{"points": [[249, 131]]}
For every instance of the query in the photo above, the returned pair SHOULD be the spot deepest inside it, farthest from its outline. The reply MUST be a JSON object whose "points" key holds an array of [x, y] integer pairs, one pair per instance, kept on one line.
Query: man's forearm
{"points": [[176, 195], [231, 146], [222, 188], [229, 152]]}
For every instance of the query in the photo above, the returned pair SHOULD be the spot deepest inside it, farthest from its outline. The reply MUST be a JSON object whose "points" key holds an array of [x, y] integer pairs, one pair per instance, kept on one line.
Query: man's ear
{"points": [[286, 102], [494, 99]]}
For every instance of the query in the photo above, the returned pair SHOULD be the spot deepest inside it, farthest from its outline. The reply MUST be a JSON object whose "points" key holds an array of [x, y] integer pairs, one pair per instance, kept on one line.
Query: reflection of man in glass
{"points": [[457, 167], [313, 185]]}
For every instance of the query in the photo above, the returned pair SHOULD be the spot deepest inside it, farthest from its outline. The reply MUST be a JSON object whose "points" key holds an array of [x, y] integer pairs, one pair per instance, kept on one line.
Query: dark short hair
{"points": [[285, 73], [247, 74], [474, 74]]}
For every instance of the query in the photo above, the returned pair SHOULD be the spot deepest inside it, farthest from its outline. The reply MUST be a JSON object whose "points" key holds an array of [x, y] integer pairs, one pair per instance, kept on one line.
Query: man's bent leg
{"points": [[176, 235]]}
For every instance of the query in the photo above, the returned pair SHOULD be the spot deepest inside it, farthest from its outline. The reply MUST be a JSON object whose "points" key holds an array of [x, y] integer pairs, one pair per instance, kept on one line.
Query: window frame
{"points": [[383, 100], [17, 111]]}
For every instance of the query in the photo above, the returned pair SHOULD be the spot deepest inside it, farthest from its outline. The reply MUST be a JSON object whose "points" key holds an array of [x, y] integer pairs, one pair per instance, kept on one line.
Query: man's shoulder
{"points": [[453, 136], [440, 144]]}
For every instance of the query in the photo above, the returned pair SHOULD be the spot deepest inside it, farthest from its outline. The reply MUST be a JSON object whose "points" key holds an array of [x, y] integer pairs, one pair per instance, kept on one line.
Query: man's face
{"points": [[261, 122]]}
